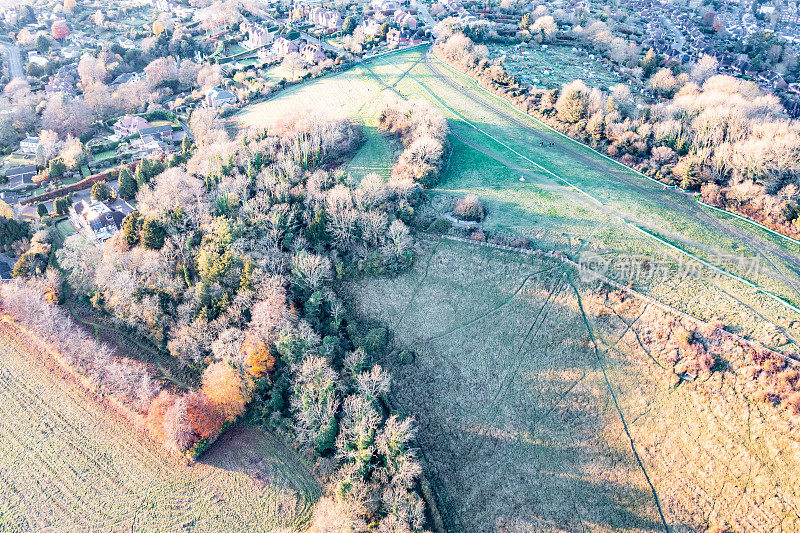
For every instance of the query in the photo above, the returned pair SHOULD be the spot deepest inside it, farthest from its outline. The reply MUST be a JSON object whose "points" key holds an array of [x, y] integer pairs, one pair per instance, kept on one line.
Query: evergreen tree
{"points": [[130, 229], [56, 168], [101, 191], [143, 172], [127, 185], [349, 26], [41, 209], [153, 234]]}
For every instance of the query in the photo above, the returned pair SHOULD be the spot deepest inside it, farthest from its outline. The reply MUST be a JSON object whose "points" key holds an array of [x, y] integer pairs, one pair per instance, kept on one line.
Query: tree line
{"points": [[231, 266], [721, 136]]}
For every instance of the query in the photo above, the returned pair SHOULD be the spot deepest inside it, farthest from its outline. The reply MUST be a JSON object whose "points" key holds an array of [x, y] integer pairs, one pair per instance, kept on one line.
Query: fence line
{"points": [[559, 256]]}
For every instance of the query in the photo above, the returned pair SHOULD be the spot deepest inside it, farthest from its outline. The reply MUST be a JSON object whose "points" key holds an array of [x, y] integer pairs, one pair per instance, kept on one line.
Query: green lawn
{"points": [[101, 156], [572, 198], [65, 228]]}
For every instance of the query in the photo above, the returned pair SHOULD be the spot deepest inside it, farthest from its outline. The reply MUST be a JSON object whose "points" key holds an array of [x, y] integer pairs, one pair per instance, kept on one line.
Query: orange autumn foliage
{"points": [[205, 419], [226, 390], [258, 357]]}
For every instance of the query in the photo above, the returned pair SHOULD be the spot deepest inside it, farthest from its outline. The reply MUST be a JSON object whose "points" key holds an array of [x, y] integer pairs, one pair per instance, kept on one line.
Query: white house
{"points": [[257, 35], [312, 53], [29, 145], [284, 46], [129, 125], [95, 220], [218, 97], [325, 18]]}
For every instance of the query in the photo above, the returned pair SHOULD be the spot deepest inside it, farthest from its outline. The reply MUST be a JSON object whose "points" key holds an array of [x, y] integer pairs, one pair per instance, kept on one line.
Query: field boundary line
{"points": [[616, 285], [509, 105], [594, 199], [748, 220], [619, 408], [716, 268]]}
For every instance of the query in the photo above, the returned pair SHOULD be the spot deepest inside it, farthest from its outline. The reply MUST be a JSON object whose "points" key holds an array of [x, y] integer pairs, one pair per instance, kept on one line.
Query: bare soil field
{"points": [[524, 427], [69, 464]]}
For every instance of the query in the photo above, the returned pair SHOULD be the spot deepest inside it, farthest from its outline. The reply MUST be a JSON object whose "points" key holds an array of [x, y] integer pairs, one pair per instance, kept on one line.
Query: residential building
{"points": [[29, 145], [95, 220], [257, 35], [218, 97], [312, 53], [64, 80], [129, 125], [20, 177], [326, 18], [405, 20], [128, 77], [284, 47], [157, 133]]}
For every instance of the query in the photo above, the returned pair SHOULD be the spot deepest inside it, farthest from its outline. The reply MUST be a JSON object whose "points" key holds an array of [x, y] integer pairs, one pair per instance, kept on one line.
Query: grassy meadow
{"points": [[69, 464], [519, 428], [518, 424], [572, 199]]}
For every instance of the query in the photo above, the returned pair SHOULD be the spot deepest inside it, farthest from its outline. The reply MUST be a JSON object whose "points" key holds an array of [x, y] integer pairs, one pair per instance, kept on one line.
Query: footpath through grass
{"points": [[519, 424]]}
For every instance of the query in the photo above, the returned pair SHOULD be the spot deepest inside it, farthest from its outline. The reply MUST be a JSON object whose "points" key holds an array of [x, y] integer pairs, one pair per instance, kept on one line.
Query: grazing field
{"points": [[519, 428], [634, 216], [67, 463]]}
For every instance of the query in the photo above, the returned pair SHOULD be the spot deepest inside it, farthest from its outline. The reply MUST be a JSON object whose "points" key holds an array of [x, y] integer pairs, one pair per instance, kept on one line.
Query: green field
{"points": [[102, 156], [69, 464], [518, 431], [65, 228], [553, 66], [572, 199]]}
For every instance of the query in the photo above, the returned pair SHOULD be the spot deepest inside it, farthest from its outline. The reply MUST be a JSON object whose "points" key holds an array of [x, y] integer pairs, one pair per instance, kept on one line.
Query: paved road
{"points": [[680, 40], [425, 15], [15, 64]]}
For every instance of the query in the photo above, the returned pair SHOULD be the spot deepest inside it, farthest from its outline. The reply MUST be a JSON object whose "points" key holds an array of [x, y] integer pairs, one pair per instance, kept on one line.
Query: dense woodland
{"points": [[718, 135], [231, 267]]}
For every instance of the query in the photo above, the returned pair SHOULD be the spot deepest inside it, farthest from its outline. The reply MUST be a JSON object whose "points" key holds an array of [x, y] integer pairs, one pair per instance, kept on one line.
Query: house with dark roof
{"points": [[156, 133], [64, 80], [217, 97], [128, 77], [20, 177], [95, 220]]}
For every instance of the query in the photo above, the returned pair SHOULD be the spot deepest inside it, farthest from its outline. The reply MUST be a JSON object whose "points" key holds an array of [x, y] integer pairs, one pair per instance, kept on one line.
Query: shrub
{"points": [[440, 226], [375, 340], [469, 208]]}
